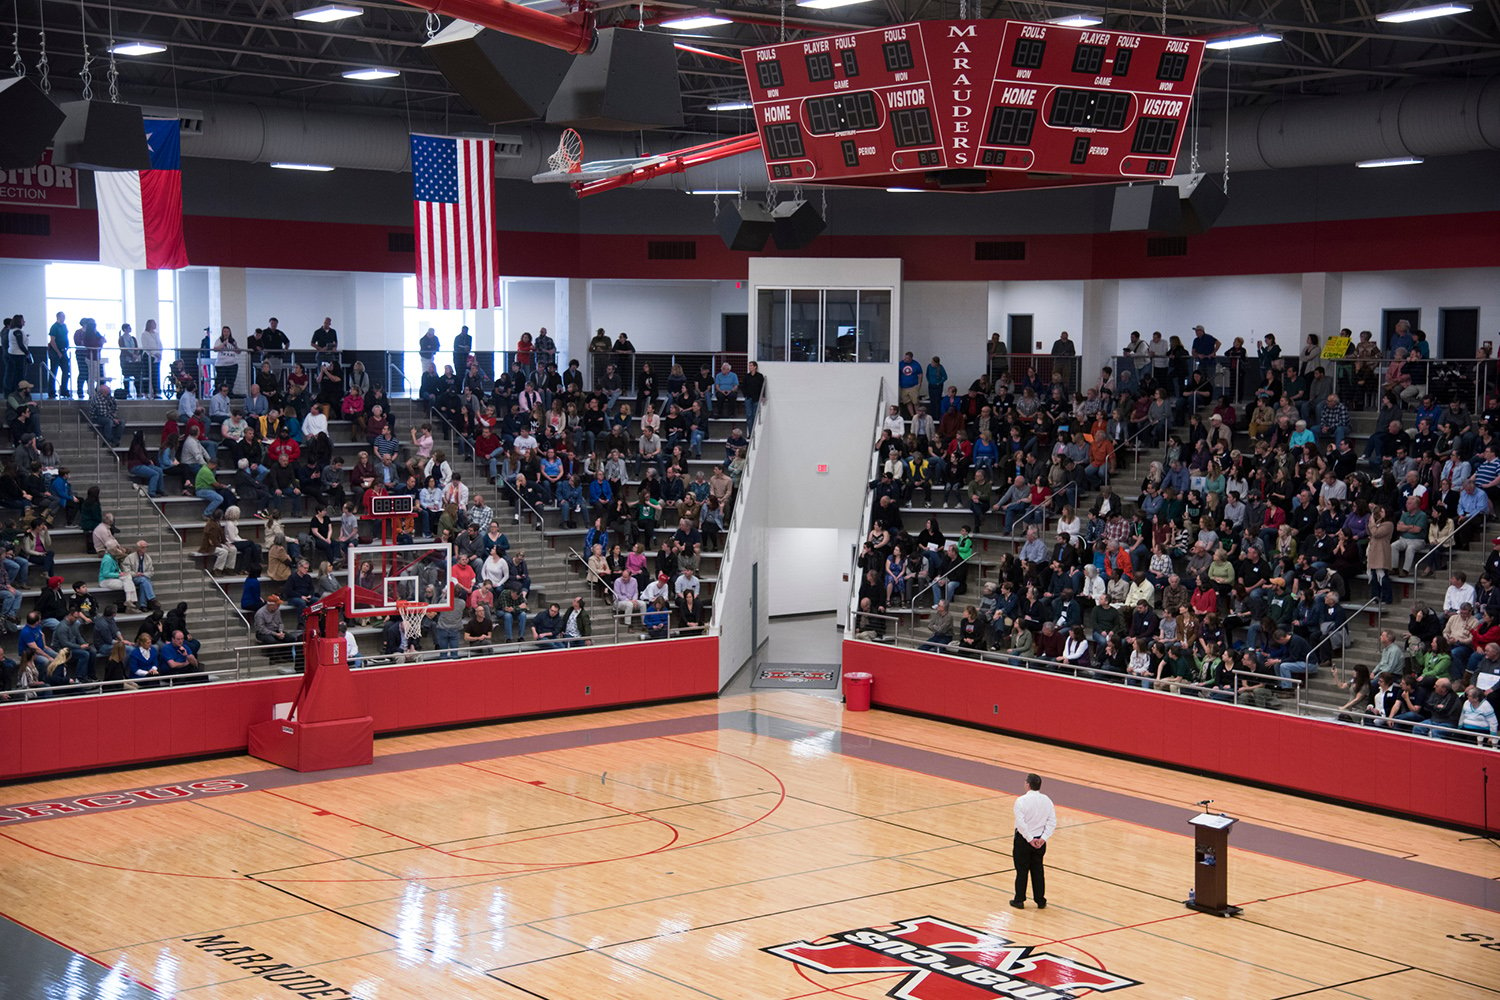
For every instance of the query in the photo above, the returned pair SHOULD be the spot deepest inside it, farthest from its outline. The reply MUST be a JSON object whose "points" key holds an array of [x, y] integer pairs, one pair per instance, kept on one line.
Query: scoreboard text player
{"points": [[973, 105]]}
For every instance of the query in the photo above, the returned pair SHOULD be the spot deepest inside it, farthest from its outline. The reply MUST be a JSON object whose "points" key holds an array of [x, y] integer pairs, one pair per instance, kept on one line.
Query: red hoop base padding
{"points": [[314, 746], [330, 723]]}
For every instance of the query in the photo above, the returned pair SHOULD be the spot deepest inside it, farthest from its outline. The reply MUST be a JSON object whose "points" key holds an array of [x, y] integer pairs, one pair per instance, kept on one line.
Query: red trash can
{"points": [[857, 686]]}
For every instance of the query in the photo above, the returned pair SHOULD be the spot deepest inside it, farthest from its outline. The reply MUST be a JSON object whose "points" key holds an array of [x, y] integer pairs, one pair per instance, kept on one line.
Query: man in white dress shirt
{"points": [[1036, 820]]}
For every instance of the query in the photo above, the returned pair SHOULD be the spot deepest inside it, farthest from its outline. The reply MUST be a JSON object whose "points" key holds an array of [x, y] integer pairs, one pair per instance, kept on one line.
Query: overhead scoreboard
{"points": [[973, 105]]}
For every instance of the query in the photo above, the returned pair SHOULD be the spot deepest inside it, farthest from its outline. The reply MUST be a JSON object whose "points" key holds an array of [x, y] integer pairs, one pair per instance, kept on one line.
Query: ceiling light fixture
{"points": [[316, 168], [904, 190], [372, 73], [1391, 161], [826, 4], [137, 49], [730, 106], [715, 191], [1077, 21], [327, 13], [692, 22], [1423, 13], [1243, 41]]}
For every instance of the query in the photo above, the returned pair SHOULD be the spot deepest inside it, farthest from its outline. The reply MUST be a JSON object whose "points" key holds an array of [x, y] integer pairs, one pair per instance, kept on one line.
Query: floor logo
{"points": [[946, 961]]}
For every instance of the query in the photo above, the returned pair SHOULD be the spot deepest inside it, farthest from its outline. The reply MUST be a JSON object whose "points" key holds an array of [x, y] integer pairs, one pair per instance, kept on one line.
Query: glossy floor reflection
{"points": [[660, 852]]}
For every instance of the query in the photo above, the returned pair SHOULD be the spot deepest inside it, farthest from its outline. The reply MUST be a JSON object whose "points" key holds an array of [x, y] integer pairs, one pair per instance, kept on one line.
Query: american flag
{"points": [[453, 188]]}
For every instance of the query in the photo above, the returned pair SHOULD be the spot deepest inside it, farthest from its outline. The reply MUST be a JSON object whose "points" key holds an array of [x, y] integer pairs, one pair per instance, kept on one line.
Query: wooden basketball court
{"points": [[657, 853]]}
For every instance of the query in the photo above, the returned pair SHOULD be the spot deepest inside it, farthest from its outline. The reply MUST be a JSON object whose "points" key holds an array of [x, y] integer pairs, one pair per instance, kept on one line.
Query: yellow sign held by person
{"points": [[1335, 348]]}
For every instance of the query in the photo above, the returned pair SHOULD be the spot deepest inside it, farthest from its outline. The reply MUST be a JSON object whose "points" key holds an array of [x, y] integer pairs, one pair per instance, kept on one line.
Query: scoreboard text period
{"points": [[973, 105]]}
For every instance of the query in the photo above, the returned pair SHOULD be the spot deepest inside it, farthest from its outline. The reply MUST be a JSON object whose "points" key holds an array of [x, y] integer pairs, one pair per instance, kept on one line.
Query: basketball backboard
{"points": [[380, 575]]}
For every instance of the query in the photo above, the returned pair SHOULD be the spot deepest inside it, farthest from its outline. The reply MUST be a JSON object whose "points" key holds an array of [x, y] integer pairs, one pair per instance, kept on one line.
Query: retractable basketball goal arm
{"points": [[574, 33], [674, 162]]}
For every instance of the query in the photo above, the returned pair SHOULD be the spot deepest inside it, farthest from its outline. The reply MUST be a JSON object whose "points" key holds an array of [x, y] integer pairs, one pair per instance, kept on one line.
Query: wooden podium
{"points": [[1211, 865]]}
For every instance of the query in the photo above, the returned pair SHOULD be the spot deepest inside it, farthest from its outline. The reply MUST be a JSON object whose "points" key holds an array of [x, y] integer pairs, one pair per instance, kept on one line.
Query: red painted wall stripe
{"points": [[1411, 242]]}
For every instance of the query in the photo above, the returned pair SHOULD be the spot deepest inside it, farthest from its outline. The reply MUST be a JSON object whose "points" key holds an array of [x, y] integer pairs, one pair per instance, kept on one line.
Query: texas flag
{"points": [[140, 211]]}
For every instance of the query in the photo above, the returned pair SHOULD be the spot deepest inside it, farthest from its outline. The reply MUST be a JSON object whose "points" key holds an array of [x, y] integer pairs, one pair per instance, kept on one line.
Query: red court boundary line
{"points": [[83, 954]]}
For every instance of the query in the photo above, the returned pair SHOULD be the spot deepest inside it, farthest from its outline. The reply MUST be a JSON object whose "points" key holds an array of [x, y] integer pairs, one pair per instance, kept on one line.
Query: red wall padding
{"points": [[71, 734], [1432, 779]]}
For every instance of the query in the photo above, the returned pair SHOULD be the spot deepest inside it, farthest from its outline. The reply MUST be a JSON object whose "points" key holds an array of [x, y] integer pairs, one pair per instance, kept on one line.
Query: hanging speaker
{"points": [[796, 224], [31, 120], [745, 228], [1150, 207], [1201, 199], [502, 77], [98, 135], [628, 82]]}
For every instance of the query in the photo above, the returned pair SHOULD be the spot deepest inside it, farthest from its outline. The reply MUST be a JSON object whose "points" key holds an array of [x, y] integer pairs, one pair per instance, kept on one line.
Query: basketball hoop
{"points": [[411, 613], [569, 156]]}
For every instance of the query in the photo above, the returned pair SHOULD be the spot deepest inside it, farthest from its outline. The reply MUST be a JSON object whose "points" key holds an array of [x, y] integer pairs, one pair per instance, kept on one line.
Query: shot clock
{"points": [[973, 105]]}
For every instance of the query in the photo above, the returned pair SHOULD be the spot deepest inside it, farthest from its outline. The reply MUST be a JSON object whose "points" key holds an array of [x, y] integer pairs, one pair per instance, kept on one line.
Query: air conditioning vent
{"points": [[1000, 250], [508, 147], [671, 249], [25, 224], [1166, 246], [401, 242]]}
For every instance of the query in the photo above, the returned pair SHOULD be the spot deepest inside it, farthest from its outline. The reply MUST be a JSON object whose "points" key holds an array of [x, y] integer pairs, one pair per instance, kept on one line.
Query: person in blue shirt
{"points": [[250, 599], [33, 638], [726, 387], [144, 659], [937, 379], [909, 378]]}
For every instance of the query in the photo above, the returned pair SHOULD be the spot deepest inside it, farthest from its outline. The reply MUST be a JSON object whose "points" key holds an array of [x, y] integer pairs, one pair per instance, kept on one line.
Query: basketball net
{"points": [[411, 613], [569, 156]]}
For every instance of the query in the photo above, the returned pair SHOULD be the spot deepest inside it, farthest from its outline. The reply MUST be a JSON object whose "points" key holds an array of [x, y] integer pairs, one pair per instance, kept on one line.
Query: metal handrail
{"points": [[731, 537], [869, 505], [1090, 672], [110, 687], [962, 562], [1445, 544], [1344, 626], [1046, 505]]}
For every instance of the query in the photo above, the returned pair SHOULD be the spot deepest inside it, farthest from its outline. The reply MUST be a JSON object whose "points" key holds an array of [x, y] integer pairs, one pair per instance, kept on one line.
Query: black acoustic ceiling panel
{"points": [[1145, 207], [98, 135], [746, 228], [31, 120], [502, 77], [628, 82]]}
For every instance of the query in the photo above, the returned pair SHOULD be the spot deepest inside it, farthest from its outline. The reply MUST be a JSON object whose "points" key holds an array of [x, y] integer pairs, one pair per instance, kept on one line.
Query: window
{"points": [[166, 309], [91, 290], [823, 324], [415, 322]]}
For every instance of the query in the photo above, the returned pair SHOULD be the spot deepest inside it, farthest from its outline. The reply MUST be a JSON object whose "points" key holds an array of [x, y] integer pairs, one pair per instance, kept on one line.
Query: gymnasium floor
{"points": [[656, 853]]}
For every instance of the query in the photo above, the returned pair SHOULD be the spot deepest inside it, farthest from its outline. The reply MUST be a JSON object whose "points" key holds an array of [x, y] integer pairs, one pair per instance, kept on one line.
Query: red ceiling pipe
{"points": [[574, 33]]}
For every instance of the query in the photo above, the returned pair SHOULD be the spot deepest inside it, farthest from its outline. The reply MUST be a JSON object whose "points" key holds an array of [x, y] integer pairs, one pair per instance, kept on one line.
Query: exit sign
{"points": [[822, 469]]}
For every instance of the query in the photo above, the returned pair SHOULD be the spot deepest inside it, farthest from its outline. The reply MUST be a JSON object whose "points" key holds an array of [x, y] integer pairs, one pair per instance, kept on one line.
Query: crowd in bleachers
{"points": [[1227, 567], [610, 452]]}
